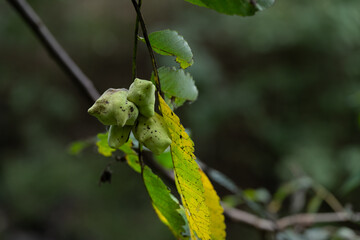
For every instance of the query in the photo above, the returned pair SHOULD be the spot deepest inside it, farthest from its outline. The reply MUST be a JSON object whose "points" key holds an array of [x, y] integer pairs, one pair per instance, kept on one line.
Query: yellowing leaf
{"points": [[188, 177], [212, 200], [131, 156], [103, 146]]}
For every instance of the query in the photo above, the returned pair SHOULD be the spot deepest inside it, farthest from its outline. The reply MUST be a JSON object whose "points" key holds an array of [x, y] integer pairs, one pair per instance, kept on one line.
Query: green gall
{"points": [[142, 93], [118, 136], [113, 108], [153, 133]]}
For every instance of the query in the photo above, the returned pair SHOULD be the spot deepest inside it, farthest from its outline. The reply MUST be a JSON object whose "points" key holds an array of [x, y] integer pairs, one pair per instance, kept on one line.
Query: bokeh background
{"points": [[279, 94]]}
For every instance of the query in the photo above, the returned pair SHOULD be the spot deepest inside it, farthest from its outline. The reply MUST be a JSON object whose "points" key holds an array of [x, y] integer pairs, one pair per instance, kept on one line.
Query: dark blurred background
{"points": [[278, 91]]}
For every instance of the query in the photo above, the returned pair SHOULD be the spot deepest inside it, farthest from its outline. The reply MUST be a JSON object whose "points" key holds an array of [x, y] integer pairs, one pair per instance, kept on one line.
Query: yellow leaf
{"points": [[102, 144], [188, 177], [131, 156], [217, 219]]}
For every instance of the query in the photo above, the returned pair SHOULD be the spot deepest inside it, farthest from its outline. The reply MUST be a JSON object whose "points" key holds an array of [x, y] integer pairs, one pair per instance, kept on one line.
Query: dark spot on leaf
{"points": [[131, 109]]}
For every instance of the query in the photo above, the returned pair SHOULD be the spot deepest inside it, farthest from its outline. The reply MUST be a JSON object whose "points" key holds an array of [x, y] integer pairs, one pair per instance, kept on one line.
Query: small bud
{"points": [[152, 132], [118, 135], [113, 108], [142, 93]]}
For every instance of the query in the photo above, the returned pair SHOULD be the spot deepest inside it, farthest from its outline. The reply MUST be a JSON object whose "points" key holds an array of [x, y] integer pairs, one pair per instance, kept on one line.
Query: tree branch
{"points": [[304, 219], [54, 48], [241, 216], [307, 219]]}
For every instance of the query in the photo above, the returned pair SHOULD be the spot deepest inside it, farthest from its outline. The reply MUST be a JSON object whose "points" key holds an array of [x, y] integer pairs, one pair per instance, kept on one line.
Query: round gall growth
{"points": [[142, 93], [113, 108], [122, 109], [118, 135], [152, 132]]}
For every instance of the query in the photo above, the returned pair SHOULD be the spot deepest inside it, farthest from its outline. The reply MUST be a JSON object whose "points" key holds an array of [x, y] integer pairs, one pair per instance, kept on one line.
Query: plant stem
{"points": [[140, 154], [328, 197], [136, 33], [148, 44]]}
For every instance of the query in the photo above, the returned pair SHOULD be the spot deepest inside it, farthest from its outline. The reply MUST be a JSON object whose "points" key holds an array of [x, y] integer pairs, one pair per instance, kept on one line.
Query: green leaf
{"points": [[103, 146], [170, 43], [165, 204], [234, 7], [197, 2], [164, 160], [77, 147], [177, 85]]}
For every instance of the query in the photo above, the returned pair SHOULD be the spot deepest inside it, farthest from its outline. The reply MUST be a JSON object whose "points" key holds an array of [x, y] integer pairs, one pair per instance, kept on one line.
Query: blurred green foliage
{"points": [[278, 99]]}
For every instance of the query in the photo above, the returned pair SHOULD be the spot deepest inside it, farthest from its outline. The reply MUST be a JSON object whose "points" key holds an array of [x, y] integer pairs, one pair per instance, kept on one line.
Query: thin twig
{"points": [[136, 33], [140, 156], [328, 197], [54, 48], [148, 44]]}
